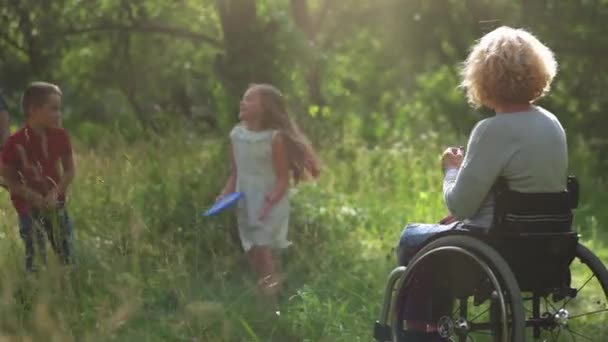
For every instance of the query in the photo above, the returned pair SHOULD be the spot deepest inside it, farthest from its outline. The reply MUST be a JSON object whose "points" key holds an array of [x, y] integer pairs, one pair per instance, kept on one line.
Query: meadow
{"points": [[149, 267]]}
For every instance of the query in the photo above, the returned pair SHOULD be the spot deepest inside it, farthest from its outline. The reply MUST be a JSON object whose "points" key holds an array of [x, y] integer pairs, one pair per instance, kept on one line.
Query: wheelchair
{"points": [[526, 278]]}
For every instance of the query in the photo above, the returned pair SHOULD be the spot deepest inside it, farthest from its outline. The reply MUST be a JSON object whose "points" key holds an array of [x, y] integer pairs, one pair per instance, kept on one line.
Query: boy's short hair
{"points": [[508, 66], [36, 94]]}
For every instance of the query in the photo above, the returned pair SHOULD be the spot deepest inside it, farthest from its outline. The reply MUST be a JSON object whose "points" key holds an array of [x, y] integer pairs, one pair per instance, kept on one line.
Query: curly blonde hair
{"points": [[508, 66]]}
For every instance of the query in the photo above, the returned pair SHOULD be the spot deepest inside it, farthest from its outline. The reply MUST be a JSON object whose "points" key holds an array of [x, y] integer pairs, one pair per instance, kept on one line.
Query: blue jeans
{"points": [[415, 235], [57, 227], [423, 302]]}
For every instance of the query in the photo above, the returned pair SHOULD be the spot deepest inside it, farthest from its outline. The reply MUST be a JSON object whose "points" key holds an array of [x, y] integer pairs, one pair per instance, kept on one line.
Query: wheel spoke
{"points": [[578, 290], [479, 315], [572, 335], [458, 307], [547, 302], [480, 332], [553, 336], [588, 313], [578, 334]]}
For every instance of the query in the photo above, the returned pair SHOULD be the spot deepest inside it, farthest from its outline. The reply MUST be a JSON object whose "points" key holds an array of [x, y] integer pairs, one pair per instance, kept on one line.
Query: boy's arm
{"points": [[10, 174], [14, 185], [67, 164], [231, 182]]}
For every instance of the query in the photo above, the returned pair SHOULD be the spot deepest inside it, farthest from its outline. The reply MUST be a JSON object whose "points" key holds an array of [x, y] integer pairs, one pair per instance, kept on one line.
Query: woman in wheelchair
{"points": [[506, 71], [524, 145]]}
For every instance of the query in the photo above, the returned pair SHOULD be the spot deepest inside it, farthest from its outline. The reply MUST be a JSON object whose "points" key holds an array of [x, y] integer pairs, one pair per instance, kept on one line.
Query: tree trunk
{"points": [[314, 78], [36, 59], [128, 84], [248, 56]]}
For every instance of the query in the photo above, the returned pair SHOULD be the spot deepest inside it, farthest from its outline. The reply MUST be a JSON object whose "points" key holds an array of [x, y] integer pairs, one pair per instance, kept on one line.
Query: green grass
{"points": [[150, 268]]}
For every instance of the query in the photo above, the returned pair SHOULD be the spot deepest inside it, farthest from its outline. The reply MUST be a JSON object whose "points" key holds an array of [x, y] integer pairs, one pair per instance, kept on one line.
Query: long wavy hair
{"points": [[303, 160]]}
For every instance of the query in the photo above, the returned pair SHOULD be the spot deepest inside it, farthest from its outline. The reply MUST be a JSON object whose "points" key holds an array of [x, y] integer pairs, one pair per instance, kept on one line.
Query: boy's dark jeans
{"points": [[56, 224]]}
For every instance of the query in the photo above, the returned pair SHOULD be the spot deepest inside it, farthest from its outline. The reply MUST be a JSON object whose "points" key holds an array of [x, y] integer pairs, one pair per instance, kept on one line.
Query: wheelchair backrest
{"points": [[518, 212], [533, 232]]}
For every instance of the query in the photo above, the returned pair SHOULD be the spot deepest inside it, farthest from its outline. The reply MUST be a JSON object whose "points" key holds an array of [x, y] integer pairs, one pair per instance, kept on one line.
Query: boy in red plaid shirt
{"points": [[38, 166]]}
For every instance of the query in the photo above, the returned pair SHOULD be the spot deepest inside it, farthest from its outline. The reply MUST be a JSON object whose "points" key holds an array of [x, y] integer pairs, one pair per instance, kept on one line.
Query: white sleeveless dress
{"points": [[256, 178]]}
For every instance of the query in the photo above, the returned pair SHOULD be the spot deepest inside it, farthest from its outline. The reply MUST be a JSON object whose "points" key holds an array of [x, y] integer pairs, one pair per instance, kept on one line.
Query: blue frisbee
{"points": [[224, 203]]}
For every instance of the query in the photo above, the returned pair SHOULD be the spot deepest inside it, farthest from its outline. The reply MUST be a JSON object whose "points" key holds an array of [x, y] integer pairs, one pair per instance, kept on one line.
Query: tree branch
{"points": [[166, 30], [13, 43]]}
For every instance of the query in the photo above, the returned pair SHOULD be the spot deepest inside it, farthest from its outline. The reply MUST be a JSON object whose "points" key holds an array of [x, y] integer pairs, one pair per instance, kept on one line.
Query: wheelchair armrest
{"points": [[382, 333], [573, 191]]}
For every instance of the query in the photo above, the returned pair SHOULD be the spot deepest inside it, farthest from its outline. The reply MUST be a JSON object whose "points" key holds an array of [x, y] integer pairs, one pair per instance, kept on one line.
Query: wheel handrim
{"points": [[460, 327]]}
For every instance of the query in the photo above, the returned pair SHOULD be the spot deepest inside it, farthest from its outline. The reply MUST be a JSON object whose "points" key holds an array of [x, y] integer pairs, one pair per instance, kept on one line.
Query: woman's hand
{"points": [[452, 158], [448, 219]]}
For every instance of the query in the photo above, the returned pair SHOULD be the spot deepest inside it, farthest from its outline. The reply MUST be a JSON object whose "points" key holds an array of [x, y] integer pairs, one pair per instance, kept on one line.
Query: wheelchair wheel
{"points": [[464, 286], [577, 313]]}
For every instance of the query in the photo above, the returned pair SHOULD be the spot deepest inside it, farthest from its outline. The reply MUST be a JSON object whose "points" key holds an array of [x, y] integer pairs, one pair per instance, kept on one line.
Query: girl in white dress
{"points": [[267, 148]]}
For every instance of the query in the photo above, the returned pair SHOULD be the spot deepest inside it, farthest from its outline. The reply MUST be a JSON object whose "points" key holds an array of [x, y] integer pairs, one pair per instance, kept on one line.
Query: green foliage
{"points": [[383, 64], [151, 86], [150, 268]]}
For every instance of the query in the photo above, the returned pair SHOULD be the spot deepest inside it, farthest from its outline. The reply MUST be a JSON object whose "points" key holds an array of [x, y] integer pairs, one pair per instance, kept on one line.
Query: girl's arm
{"points": [[231, 182], [280, 163]]}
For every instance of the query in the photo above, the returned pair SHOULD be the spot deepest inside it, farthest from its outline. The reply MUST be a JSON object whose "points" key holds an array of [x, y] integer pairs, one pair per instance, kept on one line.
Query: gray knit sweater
{"points": [[528, 148]]}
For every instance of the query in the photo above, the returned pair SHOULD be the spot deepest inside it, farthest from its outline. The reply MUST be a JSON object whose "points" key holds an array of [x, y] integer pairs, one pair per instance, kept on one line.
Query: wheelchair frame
{"points": [[491, 258]]}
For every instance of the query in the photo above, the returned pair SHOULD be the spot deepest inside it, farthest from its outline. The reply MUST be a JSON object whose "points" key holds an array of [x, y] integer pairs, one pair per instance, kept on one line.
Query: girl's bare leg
{"points": [[262, 260]]}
